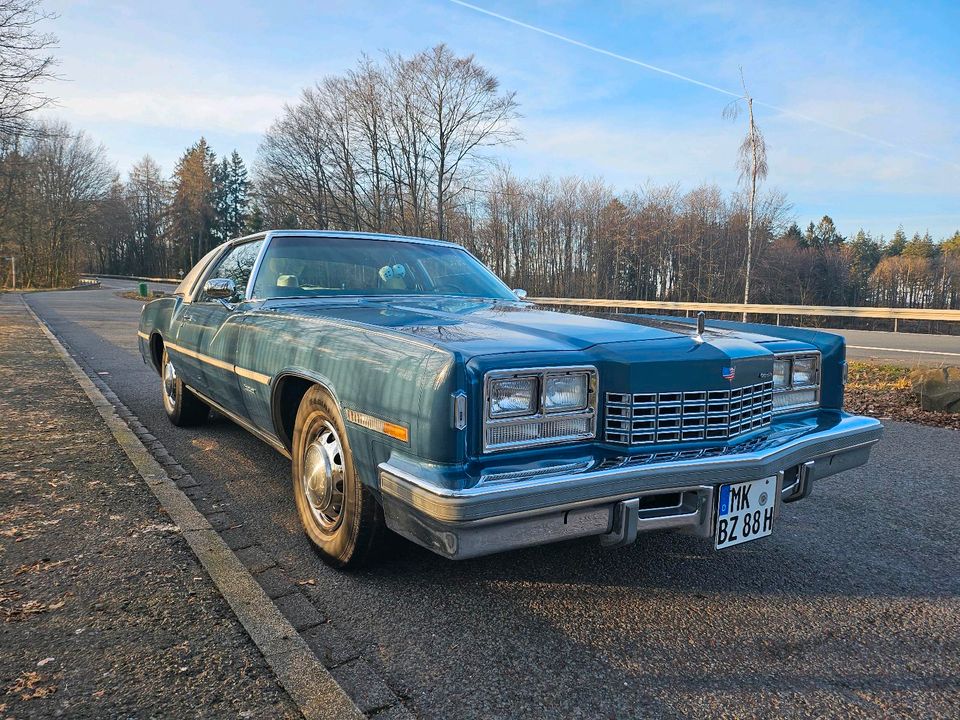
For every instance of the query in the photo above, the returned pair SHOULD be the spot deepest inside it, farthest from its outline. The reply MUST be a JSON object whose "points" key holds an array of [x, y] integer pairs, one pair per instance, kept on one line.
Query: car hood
{"points": [[474, 327]]}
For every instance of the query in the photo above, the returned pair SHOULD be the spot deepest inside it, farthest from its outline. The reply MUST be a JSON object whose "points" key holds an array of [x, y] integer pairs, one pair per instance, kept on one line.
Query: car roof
{"points": [[321, 234]]}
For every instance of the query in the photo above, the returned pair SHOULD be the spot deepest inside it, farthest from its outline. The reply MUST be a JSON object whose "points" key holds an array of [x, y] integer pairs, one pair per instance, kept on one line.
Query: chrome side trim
{"points": [[242, 422], [242, 372], [252, 375]]}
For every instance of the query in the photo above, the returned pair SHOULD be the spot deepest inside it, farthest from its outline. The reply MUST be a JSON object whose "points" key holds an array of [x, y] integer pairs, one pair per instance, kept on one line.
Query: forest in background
{"points": [[409, 145]]}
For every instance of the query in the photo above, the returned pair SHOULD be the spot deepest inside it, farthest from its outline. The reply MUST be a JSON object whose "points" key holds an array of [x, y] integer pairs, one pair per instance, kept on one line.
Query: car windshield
{"points": [[329, 266]]}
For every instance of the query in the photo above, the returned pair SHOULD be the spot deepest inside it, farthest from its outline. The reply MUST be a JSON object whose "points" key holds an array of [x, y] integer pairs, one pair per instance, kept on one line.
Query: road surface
{"points": [[850, 609]]}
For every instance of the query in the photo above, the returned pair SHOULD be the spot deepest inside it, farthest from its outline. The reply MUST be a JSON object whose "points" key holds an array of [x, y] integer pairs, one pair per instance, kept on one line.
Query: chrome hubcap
{"points": [[170, 384], [323, 477]]}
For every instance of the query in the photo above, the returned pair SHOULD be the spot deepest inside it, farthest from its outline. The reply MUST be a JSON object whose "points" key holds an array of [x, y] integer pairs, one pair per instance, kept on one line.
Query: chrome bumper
{"points": [[615, 502]]}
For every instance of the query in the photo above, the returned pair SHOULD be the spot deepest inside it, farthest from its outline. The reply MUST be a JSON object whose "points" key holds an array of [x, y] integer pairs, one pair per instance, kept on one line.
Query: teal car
{"points": [[414, 392]]}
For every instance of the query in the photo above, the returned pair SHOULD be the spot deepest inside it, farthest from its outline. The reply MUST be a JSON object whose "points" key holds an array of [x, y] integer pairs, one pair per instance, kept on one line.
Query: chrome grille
{"points": [[654, 418]]}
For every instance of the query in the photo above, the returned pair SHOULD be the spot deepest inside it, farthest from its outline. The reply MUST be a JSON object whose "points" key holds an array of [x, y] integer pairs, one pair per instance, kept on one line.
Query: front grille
{"points": [[762, 442], [654, 418]]}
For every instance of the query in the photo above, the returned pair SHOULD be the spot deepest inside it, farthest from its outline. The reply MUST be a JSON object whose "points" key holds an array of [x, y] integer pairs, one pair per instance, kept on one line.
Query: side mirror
{"points": [[522, 294], [219, 288]]}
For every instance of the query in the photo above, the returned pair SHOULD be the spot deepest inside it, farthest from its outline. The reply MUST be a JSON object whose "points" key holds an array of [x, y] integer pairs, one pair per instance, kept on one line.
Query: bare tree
{"points": [[61, 178], [24, 62], [461, 110], [752, 164], [387, 146]]}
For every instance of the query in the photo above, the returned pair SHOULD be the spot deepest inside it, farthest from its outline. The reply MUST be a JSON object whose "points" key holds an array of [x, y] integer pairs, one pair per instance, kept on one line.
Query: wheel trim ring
{"points": [[169, 384], [323, 477]]}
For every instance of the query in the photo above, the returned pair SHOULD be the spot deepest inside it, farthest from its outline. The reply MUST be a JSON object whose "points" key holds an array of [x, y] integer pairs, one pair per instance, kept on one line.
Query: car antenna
{"points": [[701, 322]]}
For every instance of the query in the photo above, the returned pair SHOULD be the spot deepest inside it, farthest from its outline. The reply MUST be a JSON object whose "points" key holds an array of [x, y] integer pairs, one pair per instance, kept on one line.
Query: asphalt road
{"points": [[850, 609], [902, 348]]}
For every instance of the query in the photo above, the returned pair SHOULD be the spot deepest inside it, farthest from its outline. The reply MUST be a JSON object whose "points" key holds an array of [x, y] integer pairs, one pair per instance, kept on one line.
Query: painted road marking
{"points": [[917, 352]]}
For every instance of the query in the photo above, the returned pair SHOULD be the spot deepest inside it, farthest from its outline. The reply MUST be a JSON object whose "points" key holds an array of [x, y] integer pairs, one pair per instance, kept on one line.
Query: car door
{"points": [[211, 327]]}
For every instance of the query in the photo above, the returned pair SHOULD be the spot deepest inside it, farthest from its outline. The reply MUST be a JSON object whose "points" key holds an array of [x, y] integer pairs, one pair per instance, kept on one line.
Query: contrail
{"points": [[699, 83]]}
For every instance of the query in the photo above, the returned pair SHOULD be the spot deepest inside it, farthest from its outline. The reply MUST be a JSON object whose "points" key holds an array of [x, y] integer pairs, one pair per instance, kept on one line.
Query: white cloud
{"points": [[196, 111]]}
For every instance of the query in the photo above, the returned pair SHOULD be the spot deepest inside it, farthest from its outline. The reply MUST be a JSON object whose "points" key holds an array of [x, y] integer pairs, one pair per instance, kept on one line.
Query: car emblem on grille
{"points": [[729, 373]]}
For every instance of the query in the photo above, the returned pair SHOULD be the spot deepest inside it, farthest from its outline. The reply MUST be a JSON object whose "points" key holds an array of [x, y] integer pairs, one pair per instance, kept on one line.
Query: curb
{"points": [[307, 681]]}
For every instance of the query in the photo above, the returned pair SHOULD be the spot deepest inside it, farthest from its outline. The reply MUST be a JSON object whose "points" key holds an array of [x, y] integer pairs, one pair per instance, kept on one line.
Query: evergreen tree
{"points": [[921, 247], [827, 235], [794, 235], [865, 253], [231, 190], [897, 244], [951, 246], [192, 212], [255, 221]]}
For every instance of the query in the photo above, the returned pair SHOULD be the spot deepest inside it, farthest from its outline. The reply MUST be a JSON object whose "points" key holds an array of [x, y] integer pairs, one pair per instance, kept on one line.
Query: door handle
{"points": [[187, 318]]}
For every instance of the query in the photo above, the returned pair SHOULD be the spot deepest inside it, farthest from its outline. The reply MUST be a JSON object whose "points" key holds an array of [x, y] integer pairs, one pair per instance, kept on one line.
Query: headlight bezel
{"points": [[497, 425], [807, 392]]}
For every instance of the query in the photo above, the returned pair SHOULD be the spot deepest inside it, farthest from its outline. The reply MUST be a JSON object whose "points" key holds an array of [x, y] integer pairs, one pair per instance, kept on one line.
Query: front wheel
{"points": [[182, 407], [339, 514]]}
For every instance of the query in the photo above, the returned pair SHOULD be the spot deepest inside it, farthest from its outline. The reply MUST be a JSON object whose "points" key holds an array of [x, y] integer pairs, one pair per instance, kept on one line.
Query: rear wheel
{"points": [[339, 514], [183, 407]]}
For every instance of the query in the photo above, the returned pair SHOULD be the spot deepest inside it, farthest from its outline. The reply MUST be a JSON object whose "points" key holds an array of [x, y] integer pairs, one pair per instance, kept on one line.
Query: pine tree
{"points": [[192, 211], [231, 190], [920, 246], [897, 244], [794, 235], [827, 234], [951, 246]]}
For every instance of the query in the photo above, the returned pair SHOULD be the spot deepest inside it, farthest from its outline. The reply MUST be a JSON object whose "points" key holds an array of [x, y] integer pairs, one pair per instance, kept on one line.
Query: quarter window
{"points": [[236, 265]]}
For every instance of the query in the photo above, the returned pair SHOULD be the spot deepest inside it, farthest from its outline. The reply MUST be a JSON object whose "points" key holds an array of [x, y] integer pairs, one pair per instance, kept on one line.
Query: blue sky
{"points": [[152, 77]]}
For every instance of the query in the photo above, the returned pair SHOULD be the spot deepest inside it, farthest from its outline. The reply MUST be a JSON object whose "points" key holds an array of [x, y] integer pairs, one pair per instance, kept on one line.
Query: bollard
{"points": [[144, 292]]}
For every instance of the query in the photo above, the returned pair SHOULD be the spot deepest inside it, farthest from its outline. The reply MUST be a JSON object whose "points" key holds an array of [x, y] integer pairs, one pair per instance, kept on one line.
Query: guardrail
{"points": [[895, 314], [882, 313], [167, 281]]}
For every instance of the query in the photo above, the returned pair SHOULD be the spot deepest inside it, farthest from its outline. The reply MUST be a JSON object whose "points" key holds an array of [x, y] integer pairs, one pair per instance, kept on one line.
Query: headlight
{"points": [[514, 396], [796, 381], [539, 406], [804, 371], [781, 373], [565, 392]]}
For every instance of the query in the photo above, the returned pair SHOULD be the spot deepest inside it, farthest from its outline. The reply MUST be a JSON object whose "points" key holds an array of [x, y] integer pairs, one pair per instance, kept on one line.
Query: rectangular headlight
{"points": [[511, 397], [804, 371], [565, 392], [796, 381], [781, 373]]}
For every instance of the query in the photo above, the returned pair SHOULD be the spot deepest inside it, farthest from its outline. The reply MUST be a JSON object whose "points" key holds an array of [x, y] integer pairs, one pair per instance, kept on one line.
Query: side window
{"points": [[186, 285], [236, 265]]}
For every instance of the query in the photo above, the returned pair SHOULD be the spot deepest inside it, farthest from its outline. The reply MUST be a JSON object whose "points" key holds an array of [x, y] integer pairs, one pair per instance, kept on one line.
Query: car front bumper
{"points": [[614, 498]]}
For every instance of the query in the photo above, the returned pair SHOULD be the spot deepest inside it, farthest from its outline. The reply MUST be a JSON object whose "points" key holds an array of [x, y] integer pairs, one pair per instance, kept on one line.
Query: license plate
{"points": [[745, 511]]}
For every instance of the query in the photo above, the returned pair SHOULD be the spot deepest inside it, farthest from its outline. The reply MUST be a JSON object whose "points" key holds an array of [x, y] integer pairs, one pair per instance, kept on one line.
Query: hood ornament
{"points": [[701, 322]]}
